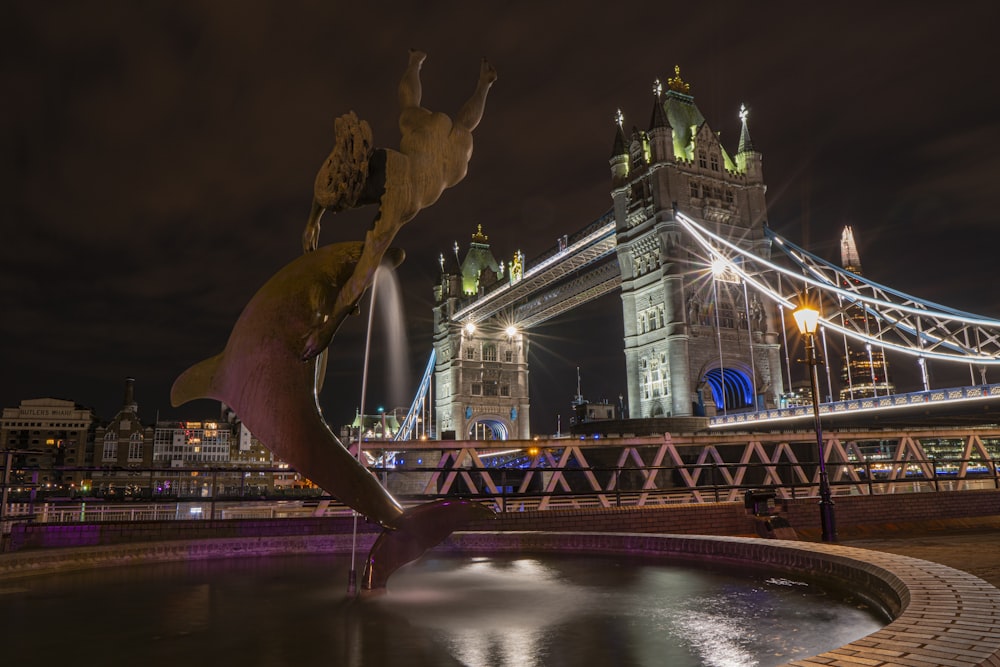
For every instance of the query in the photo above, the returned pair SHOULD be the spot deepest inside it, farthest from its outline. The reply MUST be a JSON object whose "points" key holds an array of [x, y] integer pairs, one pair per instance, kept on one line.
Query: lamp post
{"points": [[807, 319]]}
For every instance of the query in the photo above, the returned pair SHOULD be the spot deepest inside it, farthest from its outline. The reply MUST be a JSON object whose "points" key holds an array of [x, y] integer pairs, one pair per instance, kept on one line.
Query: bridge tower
{"points": [[481, 372], [697, 341]]}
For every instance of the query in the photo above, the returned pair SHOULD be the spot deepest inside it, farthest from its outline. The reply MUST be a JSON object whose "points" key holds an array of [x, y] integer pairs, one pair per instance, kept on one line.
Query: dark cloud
{"points": [[156, 160]]}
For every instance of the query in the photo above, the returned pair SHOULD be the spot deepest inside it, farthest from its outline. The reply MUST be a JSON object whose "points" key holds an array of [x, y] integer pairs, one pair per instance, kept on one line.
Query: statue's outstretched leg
{"points": [[471, 113], [410, 88]]}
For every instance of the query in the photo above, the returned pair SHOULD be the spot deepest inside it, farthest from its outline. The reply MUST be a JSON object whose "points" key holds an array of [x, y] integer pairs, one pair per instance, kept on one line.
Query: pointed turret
{"points": [[748, 160], [661, 135], [619, 153], [479, 268]]}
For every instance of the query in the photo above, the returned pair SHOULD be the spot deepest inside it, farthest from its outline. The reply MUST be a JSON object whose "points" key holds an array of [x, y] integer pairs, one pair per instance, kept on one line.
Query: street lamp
{"points": [[807, 319]]}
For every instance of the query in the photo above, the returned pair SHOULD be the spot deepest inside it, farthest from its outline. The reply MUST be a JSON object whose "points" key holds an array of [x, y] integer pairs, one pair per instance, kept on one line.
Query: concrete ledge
{"points": [[942, 616]]}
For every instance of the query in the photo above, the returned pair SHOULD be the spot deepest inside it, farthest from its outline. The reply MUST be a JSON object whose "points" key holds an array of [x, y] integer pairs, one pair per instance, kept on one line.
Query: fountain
{"points": [[503, 610]]}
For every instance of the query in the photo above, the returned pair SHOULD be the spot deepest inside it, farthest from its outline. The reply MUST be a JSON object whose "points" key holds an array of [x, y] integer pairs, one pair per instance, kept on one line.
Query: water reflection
{"points": [[440, 611]]}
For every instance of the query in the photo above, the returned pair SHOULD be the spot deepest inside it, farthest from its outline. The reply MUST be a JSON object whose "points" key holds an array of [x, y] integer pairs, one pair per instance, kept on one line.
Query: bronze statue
{"points": [[434, 154], [269, 372]]}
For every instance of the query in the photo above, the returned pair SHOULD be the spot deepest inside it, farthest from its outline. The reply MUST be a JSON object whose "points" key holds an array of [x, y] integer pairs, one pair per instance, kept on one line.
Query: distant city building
{"points": [[46, 433], [800, 395], [60, 447], [189, 447], [381, 426], [123, 450], [865, 371], [584, 411]]}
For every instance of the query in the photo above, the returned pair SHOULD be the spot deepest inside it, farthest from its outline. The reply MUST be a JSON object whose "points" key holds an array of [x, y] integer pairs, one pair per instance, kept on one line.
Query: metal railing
{"points": [[514, 488]]}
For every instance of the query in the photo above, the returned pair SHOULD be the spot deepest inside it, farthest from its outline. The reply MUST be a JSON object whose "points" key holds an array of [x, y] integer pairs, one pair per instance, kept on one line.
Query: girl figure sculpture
{"points": [[433, 154]]}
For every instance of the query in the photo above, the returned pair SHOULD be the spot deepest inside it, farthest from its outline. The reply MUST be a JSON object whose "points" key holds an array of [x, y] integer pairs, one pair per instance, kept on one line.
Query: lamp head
{"points": [[807, 319]]}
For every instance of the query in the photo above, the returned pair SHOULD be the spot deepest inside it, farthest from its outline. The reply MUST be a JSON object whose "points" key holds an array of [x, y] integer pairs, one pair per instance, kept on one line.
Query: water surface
{"points": [[440, 611]]}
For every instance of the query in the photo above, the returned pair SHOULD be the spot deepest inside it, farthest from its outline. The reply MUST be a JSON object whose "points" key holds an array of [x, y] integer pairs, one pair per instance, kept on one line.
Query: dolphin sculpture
{"points": [[269, 372]]}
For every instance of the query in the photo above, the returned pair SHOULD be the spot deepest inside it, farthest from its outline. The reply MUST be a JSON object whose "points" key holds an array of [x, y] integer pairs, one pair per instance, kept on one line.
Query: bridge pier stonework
{"points": [[698, 340]]}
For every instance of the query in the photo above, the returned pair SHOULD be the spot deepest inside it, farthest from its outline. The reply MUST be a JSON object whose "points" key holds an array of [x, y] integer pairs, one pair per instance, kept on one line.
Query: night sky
{"points": [[158, 161]]}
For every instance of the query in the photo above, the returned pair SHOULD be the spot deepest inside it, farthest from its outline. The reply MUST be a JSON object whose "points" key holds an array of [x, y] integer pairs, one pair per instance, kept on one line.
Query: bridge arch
{"points": [[731, 387], [489, 427]]}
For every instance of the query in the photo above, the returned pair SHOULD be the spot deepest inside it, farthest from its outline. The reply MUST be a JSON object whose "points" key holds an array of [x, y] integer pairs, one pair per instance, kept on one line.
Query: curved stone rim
{"points": [[940, 615]]}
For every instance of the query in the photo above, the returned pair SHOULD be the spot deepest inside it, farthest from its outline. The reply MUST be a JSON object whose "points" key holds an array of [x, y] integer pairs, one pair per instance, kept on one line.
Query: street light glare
{"points": [[511, 331], [807, 319], [470, 328]]}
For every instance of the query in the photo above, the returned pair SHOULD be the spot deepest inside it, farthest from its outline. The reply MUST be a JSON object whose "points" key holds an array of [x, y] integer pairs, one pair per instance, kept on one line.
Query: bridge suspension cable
{"points": [[904, 323], [417, 409]]}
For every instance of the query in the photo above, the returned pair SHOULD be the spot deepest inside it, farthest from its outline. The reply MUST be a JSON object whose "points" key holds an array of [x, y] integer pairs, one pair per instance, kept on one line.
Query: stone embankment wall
{"points": [[855, 515]]}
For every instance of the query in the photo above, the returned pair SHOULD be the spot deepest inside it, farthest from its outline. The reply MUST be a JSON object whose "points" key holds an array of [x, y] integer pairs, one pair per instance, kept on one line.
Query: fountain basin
{"points": [[938, 612]]}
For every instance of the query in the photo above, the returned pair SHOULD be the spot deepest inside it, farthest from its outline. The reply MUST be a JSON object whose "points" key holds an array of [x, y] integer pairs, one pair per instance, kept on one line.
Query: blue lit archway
{"points": [[488, 428], [731, 388]]}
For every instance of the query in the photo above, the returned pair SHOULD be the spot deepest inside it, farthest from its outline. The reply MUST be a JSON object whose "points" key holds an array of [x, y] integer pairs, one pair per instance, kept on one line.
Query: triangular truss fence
{"points": [[696, 469]]}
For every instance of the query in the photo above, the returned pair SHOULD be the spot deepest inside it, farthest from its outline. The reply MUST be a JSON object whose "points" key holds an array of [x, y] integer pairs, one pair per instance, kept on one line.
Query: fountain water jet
{"points": [[388, 296]]}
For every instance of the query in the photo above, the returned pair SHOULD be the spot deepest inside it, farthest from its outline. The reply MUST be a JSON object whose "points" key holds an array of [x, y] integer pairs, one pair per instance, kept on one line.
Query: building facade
{"points": [[865, 372], [123, 451], [43, 434], [697, 340]]}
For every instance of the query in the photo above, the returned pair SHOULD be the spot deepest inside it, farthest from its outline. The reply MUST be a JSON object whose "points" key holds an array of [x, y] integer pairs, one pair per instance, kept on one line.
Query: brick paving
{"points": [[971, 545]]}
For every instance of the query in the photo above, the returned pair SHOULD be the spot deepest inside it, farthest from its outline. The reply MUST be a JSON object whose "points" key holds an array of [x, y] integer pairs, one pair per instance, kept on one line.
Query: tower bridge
{"points": [[705, 306]]}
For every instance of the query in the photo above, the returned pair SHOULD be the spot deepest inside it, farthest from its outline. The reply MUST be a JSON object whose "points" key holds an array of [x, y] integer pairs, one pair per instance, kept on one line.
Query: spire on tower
{"points": [[620, 146], [659, 118], [849, 257], [746, 145]]}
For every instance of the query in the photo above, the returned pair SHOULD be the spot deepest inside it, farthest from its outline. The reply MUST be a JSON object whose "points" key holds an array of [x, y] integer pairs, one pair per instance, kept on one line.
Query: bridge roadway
{"points": [[978, 404], [581, 268]]}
